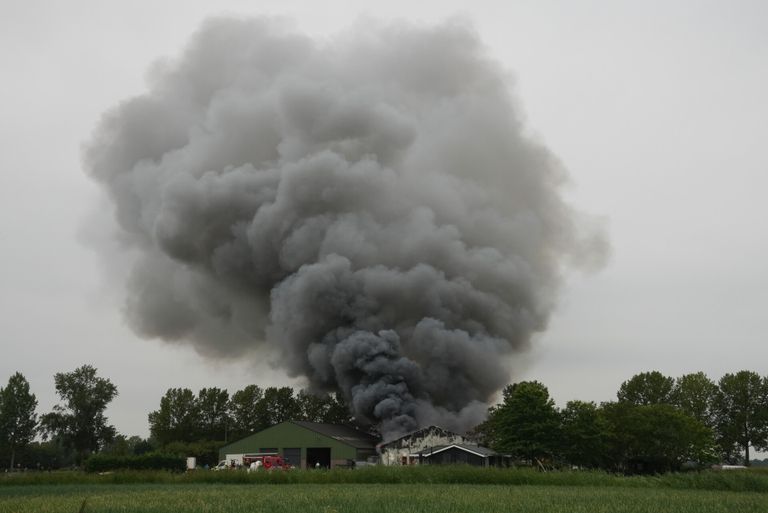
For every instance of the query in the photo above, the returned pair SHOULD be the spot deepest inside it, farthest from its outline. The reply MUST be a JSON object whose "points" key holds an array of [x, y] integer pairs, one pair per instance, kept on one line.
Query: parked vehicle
{"points": [[253, 462], [265, 461]]}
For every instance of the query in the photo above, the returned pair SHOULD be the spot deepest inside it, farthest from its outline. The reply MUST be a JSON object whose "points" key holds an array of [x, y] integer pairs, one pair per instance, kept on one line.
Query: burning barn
{"points": [[435, 445], [406, 449]]}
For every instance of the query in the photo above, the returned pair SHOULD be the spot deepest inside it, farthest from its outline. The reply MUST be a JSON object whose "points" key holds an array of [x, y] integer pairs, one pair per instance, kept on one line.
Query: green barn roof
{"points": [[341, 434]]}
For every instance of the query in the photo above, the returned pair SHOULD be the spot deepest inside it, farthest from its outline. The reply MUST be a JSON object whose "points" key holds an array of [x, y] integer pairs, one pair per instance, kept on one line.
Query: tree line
{"points": [[75, 428], [657, 423], [185, 423], [198, 424]]}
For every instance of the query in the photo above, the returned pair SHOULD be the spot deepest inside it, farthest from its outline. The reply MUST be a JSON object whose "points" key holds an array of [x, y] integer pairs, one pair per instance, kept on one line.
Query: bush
{"points": [[206, 452], [148, 461]]}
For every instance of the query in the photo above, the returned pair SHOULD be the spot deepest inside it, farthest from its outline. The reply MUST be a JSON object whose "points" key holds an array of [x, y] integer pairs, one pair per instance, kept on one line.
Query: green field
{"points": [[164, 498], [384, 489], [754, 480]]}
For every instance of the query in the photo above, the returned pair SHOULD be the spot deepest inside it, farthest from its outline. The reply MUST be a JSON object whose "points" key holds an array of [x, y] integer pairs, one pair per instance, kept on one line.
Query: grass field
{"points": [[744, 481], [310, 498], [397, 490]]}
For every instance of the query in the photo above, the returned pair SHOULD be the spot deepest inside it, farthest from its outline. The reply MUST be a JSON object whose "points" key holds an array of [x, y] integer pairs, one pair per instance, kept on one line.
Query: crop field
{"points": [[395, 490], [214, 498]]}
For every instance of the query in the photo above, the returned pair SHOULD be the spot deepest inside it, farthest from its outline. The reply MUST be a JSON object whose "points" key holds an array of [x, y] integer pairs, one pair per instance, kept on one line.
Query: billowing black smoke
{"points": [[367, 205]]}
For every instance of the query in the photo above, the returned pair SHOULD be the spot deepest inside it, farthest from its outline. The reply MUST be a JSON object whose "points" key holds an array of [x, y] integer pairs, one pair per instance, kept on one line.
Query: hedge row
{"points": [[148, 461]]}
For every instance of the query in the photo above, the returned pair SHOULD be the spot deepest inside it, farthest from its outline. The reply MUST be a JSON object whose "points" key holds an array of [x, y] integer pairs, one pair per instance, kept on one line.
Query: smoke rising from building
{"points": [[368, 206]]}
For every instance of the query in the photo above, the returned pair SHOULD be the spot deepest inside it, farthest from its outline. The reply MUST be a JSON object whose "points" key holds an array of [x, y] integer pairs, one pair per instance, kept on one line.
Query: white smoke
{"points": [[368, 204]]}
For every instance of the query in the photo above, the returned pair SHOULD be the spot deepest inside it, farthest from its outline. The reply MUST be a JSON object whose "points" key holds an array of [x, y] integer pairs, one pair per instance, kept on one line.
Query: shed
{"points": [[306, 444]]}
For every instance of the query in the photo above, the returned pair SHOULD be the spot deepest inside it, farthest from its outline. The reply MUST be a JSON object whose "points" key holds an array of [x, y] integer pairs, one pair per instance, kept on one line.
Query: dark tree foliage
{"points": [[177, 419], [741, 413], [80, 422], [654, 438], [149, 461], [51, 454], [213, 410], [213, 416], [526, 424], [584, 435], [694, 395], [18, 420], [311, 407], [279, 405], [128, 446], [338, 411], [206, 451], [329, 408], [647, 388], [659, 424], [245, 408]]}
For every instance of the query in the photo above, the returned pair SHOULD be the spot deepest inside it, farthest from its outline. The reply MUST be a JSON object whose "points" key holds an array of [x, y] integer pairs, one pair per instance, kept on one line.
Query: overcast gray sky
{"points": [[657, 109]]}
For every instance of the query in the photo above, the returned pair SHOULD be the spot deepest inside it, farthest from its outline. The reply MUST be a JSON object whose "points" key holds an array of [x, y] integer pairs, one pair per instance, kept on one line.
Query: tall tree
{"points": [[584, 434], [328, 408], [694, 395], [177, 417], [245, 411], [526, 423], [337, 411], [311, 406], [18, 420], [741, 412], [253, 409], [279, 405], [647, 388], [213, 412], [654, 438], [80, 423]]}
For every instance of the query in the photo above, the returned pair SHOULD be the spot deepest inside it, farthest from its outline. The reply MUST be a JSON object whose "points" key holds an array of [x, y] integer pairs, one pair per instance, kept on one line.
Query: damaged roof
{"points": [[409, 438]]}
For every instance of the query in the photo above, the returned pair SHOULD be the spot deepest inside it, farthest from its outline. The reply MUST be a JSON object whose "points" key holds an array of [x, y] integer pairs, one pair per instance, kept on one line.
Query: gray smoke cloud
{"points": [[368, 205]]}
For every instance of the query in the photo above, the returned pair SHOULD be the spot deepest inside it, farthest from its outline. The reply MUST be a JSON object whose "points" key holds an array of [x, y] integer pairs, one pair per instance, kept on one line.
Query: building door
{"points": [[292, 456], [318, 455]]}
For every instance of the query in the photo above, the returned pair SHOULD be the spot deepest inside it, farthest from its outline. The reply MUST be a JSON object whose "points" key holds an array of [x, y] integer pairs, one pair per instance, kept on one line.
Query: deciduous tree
{"points": [[80, 422], [245, 411], [213, 412], [279, 405], [322, 408], [655, 437], [18, 420], [177, 417], [647, 388], [526, 423], [741, 412], [694, 395], [584, 434]]}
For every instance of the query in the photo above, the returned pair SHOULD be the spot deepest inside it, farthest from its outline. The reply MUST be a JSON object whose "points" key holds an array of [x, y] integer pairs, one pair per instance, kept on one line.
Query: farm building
{"points": [[461, 453], [406, 449], [306, 444], [435, 445]]}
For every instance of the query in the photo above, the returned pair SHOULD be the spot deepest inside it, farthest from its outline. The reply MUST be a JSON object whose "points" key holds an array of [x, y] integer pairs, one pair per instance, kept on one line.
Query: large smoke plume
{"points": [[367, 205]]}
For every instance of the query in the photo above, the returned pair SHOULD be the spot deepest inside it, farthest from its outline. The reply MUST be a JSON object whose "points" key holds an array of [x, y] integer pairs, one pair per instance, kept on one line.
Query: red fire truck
{"points": [[265, 461]]}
